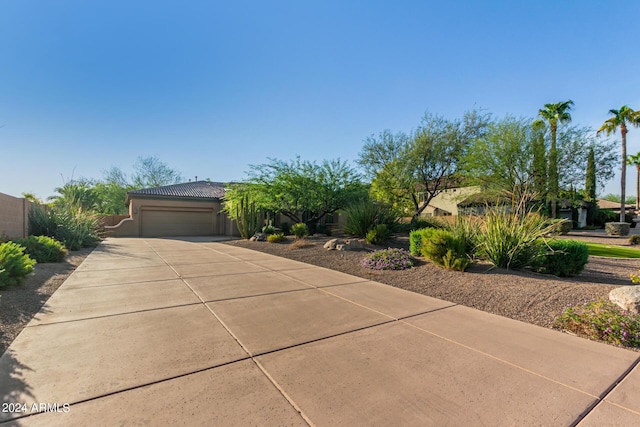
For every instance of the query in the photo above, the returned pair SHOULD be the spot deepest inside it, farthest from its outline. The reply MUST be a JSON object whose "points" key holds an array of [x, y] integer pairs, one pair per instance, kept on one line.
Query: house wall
{"points": [[446, 202], [14, 216]]}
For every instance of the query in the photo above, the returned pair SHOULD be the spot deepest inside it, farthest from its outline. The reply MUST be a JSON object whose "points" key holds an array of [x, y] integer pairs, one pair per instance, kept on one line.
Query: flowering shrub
{"points": [[388, 259], [635, 278], [602, 320]]}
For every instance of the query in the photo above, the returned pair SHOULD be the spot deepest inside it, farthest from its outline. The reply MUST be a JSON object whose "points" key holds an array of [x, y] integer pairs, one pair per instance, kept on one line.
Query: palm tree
{"points": [[634, 159], [555, 114], [621, 118]]}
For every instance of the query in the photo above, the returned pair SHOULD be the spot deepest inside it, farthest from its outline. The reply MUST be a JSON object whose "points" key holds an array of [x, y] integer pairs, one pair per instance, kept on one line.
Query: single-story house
{"points": [[188, 209]]}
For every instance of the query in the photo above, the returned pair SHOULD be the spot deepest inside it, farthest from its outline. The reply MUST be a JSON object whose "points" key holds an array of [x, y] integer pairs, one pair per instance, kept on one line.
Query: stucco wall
{"points": [[448, 200], [14, 216]]}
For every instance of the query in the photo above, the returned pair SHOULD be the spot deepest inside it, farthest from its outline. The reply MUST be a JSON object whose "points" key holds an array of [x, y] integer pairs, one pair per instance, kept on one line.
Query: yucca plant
{"points": [[508, 240], [365, 215]]}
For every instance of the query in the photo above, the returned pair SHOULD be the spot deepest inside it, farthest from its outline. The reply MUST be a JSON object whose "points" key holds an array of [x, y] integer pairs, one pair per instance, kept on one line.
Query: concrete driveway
{"points": [[164, 332]]}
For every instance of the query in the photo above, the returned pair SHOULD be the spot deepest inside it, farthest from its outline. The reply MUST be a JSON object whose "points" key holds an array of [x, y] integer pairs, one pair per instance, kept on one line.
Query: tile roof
{"points": [[195, 189]]}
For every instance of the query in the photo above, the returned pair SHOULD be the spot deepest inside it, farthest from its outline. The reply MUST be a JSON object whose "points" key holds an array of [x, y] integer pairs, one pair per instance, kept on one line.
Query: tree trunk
{"points": [[637, 187], [553, 172], [623, 179]]}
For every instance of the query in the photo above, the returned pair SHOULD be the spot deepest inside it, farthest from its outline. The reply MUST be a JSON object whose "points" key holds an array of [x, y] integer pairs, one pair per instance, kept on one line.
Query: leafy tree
{"points": [[410, 170], [616, 198], [302, 191], [590, 187], [152, 172], [502, 161], [572, 155], [634, 159], [75, 195], [555, 114], [621, 118]]}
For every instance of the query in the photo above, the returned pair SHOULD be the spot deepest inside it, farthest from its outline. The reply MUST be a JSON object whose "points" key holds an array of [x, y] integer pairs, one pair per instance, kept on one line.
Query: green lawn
{"points": [[613, 251]]}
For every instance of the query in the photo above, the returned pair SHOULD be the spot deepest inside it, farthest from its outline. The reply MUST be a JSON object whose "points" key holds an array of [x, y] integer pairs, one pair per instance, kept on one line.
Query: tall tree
{"points": [[301, 190], [634, 159], [416, 168], [555, 114], [539, 162], [590, 186], [501, 161], [621, 118]]}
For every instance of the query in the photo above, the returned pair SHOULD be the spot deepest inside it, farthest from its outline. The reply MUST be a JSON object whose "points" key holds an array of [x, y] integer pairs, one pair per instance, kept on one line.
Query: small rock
{"points": [[355, 244], [331, 244], [342, 247], [627, 297]]}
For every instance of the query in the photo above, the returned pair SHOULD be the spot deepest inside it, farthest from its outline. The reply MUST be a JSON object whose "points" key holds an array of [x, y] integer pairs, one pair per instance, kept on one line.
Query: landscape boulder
{"points": [[331, 244], [259, 237], [627, 297]]}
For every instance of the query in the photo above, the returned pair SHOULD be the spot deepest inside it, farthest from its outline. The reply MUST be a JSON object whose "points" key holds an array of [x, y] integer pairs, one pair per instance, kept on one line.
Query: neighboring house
{"points": [[451, 201], [188, 209]]}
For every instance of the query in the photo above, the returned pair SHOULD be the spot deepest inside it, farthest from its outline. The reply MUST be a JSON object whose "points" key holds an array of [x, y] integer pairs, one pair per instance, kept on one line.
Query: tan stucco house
{"points": [[188, 209]]}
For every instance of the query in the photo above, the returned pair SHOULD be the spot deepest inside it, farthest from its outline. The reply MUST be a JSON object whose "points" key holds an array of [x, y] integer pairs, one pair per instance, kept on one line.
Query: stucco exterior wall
{"points": [[446, 203], [14, 216]]}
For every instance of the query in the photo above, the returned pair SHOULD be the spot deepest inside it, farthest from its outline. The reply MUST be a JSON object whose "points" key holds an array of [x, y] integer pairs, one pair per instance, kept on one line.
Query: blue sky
{"points": [[210, 87]]}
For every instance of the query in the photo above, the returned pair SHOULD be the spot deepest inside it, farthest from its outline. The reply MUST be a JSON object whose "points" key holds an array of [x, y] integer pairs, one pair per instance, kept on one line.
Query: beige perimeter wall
{"points": [[14, 216]]}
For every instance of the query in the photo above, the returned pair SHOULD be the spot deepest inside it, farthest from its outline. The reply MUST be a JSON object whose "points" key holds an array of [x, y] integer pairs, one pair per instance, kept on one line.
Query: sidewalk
{"points": [[161, 332]]}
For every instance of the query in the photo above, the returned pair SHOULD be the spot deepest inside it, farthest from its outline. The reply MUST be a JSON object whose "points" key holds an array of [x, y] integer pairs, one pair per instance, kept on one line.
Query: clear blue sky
{"points": [[210, 87]]}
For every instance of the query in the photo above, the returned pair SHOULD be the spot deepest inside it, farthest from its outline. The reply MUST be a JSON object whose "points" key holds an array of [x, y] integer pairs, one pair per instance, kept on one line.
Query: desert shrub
{"points": [[268, 229], [41, 222], [300, 244], [415, 240], [76, 230], [378, 235], [465, 229], [422, 222], [563, 258], [276, 238], [364, 215], [444, 249], [388, 259], [559, 226], [43, 248], [300, 230], [509, 240], [601, 320], [634, 239], [15, 265]]}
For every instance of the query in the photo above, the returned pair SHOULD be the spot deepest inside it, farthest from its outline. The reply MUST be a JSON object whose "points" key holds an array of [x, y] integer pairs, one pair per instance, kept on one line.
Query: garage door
{"points": [[159, 223]]}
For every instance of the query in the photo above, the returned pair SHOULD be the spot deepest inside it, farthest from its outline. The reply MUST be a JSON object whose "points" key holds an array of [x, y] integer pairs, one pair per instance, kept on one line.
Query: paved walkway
{"points": [[164, 332]]}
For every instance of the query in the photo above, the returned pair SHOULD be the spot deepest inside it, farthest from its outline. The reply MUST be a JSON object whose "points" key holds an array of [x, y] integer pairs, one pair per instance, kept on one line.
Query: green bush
{"points": [[276, 238], [268, 229], [603, 216], [559, 226], [634, 239], [365, 215], [509, 240], [75, 228], [444, 249], [465, 229], [388, 259], [601, 320], [415, 240], [15, 265], [421, 222], [43, 248], [378, 235], [300, 230], [563, 258]]}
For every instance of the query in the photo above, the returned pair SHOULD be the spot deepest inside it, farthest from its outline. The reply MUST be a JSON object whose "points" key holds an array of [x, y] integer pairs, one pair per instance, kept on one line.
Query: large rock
{"points": [[259, 237], [332, 244], [627, 297]]}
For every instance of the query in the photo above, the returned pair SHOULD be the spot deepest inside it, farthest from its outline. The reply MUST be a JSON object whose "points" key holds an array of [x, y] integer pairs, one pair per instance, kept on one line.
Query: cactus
{"points": [[247, 217]]}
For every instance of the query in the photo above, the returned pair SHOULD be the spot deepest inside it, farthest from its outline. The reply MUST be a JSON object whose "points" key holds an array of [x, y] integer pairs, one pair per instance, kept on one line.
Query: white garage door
{"points": [[159, 223]]}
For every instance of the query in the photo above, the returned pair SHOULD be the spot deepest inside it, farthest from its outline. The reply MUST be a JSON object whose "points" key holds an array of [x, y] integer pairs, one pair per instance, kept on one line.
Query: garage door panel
{"points": [[158, 223]]}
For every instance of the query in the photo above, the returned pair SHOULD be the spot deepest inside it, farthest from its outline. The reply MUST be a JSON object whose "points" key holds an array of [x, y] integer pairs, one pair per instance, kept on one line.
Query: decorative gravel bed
{"points": [[520, 295]]}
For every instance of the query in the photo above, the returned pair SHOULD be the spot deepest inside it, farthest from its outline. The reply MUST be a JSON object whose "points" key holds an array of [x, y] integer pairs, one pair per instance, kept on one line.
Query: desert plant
{"points": [[601, 320], [559, 226], [15, 265], [285, 227], [388, 259], [635, 278], [76, 229], [300, 230], [465, 229], [415, 240], [41, 221], [509, 240], [563, 257], [617, 228], [43, 248], [276, 238], [365, 215], [247, 216], [378, 235], [444, 249], [268, 229], [634, 239]]}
